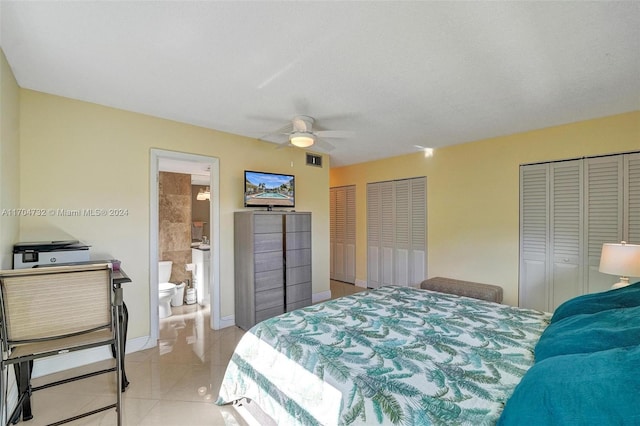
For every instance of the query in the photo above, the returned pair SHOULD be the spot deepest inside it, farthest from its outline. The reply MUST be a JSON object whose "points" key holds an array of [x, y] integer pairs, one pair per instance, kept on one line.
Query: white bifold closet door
{"points": [[568, 209], [603, 215], [397, 232], [631, 221], [342, 227]]}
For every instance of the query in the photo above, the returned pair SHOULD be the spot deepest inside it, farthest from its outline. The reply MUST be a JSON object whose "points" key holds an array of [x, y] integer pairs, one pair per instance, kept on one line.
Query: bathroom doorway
{"points": [[205, 170]]}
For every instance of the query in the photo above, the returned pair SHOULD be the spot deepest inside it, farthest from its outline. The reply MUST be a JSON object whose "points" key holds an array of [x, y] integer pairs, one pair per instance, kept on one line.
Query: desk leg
{"points": [[119, 353], [124, 320], [23, 382]]}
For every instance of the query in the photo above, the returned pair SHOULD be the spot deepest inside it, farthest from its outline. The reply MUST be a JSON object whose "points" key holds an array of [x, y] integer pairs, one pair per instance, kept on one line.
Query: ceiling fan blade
{"points": [[275, 138], [284, 130], [338, 134], [278, 135], [323, 145]]}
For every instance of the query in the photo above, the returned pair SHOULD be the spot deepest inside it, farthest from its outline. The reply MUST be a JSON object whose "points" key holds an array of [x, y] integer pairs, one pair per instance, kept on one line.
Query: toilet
{"points": [[166, 290]]}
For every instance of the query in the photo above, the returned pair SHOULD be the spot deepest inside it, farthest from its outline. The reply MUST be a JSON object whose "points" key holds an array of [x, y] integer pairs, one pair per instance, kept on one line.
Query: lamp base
{"points": [[624, 281]]}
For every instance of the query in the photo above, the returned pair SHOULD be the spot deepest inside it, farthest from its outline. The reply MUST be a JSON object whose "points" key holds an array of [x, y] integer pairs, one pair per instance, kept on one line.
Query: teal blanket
{"points": [[394, 355], [624, 297], [586, 389], [611, 328]]}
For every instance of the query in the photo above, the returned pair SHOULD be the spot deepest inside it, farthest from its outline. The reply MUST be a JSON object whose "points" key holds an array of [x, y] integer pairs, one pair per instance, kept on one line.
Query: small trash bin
{"points": [[191, 296], [178, 298]]}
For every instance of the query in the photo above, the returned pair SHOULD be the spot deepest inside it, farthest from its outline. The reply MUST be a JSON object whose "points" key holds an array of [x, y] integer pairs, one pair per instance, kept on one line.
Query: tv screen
{"points": [[262, 189]]}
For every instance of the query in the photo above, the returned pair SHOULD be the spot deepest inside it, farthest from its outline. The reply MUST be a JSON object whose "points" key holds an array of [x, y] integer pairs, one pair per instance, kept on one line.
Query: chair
{"points": [[54, 310]]}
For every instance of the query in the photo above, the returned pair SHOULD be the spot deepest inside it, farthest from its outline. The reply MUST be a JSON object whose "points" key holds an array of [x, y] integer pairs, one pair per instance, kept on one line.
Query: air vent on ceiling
{"points": [[314, 160]]}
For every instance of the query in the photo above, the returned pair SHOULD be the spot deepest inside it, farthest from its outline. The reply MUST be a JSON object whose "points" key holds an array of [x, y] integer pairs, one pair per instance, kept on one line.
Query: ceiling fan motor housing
{"points": [[303, 123]]}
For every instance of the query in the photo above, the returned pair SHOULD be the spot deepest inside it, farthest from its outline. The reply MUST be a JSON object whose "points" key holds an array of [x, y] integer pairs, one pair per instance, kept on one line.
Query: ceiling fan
{"points": [[299, 132]]}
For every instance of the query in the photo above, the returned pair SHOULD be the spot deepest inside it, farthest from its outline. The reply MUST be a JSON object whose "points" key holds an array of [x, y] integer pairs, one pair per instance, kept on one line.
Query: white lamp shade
{"points": [[620, 259]]}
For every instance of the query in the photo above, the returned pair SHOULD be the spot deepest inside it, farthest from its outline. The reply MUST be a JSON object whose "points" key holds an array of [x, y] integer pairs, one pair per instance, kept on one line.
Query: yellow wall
{"points": [[473, 194], [9, 166], [77, 155]]}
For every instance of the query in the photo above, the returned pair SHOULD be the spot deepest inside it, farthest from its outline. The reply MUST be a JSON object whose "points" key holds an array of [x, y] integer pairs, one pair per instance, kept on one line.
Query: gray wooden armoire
{"points": [[272, 264]]}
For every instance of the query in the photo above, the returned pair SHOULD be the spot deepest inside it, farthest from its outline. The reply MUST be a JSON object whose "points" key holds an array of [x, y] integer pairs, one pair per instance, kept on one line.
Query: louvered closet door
{"points": [[343, 235], [566, 231], [603, 216], [387, 232], [350, 235], [332, 232], [402, 233], [410, 255], [632, 198], [534, 236], [397, 232], [373, 235], [418, 234], [338, 239], [591, 201]]}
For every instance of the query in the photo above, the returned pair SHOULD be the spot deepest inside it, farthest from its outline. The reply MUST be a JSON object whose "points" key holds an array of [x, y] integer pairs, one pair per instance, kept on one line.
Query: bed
{"points": [[399, 355]]}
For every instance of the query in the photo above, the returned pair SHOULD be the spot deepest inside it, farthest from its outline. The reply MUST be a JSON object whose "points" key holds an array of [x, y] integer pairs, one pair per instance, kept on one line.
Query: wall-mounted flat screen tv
{"points": [[262, 189]]}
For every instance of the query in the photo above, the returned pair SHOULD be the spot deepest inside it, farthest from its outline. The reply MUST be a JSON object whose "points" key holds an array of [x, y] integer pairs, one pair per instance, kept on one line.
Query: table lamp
{"points": [[620, 259]]}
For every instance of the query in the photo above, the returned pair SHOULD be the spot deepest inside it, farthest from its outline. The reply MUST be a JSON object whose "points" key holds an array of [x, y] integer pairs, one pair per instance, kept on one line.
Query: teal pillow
{"points": [[624, 297], [600, 388], [613, 328]]}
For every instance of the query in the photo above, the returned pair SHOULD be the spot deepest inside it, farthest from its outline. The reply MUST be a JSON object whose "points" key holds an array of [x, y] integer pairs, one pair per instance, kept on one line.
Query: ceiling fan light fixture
{"points": [[302, 140]]}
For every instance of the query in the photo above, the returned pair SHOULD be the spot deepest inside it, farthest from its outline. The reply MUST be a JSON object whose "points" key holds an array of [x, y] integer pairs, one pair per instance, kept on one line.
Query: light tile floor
{"points": [[175, 383]]}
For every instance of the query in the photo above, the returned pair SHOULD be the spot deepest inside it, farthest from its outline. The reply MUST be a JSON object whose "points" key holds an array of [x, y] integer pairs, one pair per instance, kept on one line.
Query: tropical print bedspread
{"points": [[394, 355]]}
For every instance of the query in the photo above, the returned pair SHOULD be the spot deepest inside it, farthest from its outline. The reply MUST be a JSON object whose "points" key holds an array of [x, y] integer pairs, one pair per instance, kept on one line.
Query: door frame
{"points": [[214, 231]]}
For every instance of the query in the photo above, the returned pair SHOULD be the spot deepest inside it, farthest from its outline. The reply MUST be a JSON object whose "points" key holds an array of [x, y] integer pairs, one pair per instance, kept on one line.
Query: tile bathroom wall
{"points": [[174, 196]]}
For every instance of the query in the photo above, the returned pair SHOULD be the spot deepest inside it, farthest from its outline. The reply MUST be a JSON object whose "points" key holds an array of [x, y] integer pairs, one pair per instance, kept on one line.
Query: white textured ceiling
{"points": [[398, 74]]}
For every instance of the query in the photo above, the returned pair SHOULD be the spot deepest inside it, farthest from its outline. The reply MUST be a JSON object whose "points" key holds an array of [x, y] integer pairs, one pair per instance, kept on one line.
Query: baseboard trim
{"points": [[320, 297], [228, 321], [361, 283]]}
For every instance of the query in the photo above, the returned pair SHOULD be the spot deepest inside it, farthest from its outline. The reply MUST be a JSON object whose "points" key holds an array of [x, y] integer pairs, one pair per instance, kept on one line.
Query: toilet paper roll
{"points": [[190, 266]]}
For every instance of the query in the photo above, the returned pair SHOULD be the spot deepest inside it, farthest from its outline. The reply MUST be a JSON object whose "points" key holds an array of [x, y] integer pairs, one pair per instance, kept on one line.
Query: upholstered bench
{"points": [[492, 293]]}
